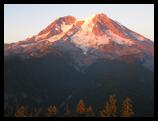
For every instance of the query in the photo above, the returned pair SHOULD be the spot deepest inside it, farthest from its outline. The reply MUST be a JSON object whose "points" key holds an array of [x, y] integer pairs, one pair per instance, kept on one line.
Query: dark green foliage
{"points": [[35, 82]]}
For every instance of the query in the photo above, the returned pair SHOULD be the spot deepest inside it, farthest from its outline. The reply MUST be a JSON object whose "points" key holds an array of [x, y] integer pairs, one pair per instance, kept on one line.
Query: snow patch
{"points": [[25, 45], [65, 27], [43, 36], [88, 24], [118, 39], [56, 37], [86, 40]]}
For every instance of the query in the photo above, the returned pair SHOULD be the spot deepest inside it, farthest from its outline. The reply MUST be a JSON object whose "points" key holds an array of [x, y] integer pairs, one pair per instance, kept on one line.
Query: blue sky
{"points": [[25, 20]]}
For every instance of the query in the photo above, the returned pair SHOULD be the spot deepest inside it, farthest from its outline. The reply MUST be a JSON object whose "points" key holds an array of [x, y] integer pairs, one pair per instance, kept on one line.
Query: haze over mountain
{"points": [[81, 58]]}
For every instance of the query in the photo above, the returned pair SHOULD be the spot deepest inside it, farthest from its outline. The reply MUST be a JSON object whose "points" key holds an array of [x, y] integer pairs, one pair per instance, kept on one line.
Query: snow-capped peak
{"points": [[94, 32], [89, 19]]}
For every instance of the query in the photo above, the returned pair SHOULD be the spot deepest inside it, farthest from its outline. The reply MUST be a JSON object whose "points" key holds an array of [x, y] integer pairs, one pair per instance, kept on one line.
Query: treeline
{"points": [[82, 110]]}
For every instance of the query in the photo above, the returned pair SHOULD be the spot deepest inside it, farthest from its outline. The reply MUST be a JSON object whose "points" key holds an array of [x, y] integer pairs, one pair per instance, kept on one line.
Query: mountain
{"points": [[96, 37], [81, 58]]}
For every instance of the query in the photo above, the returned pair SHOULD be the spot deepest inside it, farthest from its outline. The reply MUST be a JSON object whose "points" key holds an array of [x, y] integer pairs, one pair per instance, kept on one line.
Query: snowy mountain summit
{"points": [[85, 41]]}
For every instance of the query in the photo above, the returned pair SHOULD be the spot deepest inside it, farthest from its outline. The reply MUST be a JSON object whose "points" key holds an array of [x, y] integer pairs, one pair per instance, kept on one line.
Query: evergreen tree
{"points": [[81, 108], [106, 111], [127, 108], [89, 111], [21, 111], [110, 109], [52, 111]]}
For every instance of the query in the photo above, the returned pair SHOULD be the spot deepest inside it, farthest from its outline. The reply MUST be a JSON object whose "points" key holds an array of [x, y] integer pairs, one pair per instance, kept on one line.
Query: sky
{"points": [[25, 20]]}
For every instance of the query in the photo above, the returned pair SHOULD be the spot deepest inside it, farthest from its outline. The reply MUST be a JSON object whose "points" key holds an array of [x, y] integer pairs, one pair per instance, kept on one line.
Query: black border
{"points": [[89, 2], [79, 1], [155, 64]]}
